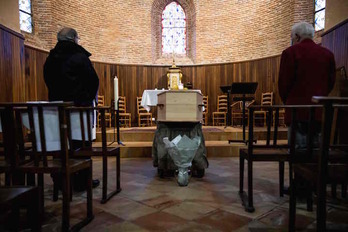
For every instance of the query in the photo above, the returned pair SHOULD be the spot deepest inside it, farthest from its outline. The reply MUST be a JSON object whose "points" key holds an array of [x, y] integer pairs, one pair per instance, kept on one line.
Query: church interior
{"points": [[188, 131]]}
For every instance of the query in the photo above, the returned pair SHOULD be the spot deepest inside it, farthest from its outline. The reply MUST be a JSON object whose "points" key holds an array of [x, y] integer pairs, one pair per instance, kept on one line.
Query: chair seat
{"points": [[124, 114], [219, 113], [266, 154], [4, 165], [334, 156], [97, 151], [145, 114], [336, 172], [55, 166], [11, 194], [15, 198]]}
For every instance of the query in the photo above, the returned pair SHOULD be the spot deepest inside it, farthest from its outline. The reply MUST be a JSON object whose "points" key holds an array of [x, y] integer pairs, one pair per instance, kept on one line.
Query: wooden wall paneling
{"points": [[41, 86], [30, 80], [336, 40], [108, 85], [100, 70], [134, 79], [35, 87], [11, 65], [18, 70], [7, 66]]}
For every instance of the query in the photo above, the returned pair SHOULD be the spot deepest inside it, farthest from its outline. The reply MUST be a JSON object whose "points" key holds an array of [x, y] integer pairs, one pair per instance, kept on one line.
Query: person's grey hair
{"points": [[303, 29], [67, 34]]}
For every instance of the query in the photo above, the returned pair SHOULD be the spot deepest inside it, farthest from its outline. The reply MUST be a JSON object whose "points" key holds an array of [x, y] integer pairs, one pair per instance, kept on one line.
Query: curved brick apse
{"points": [[129, 32]]}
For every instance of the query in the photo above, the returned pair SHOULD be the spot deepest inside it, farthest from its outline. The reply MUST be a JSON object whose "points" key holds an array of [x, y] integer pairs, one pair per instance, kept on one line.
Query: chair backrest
{"points": [[205, 103], [140, 109], [267, 99], [101, 100], [222, 103], [122, 106], [82, 117], [46, 123], [7, 125]]}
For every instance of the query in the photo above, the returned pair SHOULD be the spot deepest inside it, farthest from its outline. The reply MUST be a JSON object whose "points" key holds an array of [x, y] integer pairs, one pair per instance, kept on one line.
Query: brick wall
{"points": [[129, 31]]}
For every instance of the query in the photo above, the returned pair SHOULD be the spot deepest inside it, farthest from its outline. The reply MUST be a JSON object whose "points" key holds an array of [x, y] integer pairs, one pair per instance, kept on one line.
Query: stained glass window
{"points": [[25, 16], [319, 14], [173, 29]]}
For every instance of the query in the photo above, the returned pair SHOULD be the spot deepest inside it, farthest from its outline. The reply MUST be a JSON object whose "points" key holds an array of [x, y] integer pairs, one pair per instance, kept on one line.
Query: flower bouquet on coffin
{"points": [[182, 150]]}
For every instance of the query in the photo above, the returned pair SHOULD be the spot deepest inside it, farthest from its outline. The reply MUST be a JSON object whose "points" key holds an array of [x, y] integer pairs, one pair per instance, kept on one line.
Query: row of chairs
{"points": [[219, 117], [125, 119], [316, 164], [38, 139]]}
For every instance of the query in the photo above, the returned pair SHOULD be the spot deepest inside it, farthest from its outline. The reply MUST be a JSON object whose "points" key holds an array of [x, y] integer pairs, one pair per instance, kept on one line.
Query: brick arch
{"points": [[156, 27]]}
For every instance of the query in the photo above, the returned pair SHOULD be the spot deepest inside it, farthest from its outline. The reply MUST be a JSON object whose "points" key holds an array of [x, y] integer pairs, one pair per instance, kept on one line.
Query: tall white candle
{"points": [[116, 91]]}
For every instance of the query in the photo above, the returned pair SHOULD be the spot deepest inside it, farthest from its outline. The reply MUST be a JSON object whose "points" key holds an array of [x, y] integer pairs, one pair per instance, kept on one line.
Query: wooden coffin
{"points": [[180, 106]]}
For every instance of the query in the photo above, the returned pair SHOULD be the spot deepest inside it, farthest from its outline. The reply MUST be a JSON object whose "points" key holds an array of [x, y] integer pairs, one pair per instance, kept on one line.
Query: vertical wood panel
{"points": [[35, 87], [11, 66], [336, 40]]}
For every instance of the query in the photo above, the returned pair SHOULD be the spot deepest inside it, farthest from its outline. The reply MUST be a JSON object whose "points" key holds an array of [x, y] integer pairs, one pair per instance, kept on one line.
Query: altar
{"points": [[149, 98]]}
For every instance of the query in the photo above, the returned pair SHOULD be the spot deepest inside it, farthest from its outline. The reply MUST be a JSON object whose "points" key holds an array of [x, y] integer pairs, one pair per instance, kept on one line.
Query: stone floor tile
{"points": [[189, 210], [159, 221], [224, 220]]}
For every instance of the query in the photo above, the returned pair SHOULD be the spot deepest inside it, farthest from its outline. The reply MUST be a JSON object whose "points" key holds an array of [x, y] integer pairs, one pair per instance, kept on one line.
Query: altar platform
{"points": [[138, 140]]}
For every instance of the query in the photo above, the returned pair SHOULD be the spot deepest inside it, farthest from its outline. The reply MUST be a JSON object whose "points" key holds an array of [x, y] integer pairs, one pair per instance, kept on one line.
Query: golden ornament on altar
{"points": [[174, 77]]}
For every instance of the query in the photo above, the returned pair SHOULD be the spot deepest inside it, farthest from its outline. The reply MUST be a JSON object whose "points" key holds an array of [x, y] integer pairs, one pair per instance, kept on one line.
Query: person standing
{"points": [[70, 76], [68, 72], [306, 70]]}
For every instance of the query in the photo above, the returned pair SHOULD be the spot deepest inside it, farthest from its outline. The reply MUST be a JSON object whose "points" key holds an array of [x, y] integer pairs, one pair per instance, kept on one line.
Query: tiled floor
{"points": [[148, 203]]}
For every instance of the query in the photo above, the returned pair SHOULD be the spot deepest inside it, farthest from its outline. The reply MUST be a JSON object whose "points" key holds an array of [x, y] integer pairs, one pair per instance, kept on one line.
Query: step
{"points": [[214, 148], [210, 134]]}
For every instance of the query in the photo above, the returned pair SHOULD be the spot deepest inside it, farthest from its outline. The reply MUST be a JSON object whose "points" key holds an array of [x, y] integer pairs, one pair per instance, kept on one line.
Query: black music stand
{"points": [[243, 88]]}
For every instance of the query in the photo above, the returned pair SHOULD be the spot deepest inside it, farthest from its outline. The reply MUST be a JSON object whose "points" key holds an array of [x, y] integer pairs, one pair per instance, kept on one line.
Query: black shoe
{"points": [[95, 183]]}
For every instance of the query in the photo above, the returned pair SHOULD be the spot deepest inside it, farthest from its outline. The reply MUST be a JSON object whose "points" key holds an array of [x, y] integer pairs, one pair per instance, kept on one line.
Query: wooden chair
{"points": [[206, 110], [266, 100], [88, 150], [261, 153], [328, 164], [7, 139], [237, 111], [16, 197], [125, 118], [144, 117], [56, 162], [101, 102], [281, 118], [219, 116], [13, 198]]}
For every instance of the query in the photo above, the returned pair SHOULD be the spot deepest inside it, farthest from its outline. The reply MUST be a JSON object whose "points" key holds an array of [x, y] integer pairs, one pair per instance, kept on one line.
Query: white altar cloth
{"points": [[149, 98]]}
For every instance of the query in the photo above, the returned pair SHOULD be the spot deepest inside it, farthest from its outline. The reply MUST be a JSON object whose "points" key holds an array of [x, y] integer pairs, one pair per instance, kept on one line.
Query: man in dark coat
{"points": [[70, 76], [306, 70], [68, 72]]}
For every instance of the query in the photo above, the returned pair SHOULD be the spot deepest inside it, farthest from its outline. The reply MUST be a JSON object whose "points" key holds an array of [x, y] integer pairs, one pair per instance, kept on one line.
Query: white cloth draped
{"points": [[149, 98], [51, 127]]}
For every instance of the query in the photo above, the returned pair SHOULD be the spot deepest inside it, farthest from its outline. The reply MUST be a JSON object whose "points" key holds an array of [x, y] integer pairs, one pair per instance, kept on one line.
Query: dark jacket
{"points": [[69, 74], [306, 70]]}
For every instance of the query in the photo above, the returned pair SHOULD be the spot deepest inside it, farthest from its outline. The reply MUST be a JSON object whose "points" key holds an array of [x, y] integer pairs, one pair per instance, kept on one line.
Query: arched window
{"points": [[173, 29], [319, 14], [25, 16]]}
